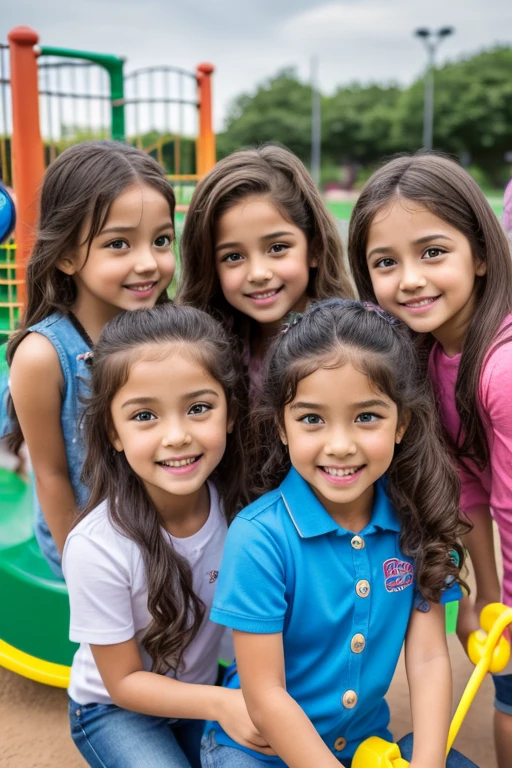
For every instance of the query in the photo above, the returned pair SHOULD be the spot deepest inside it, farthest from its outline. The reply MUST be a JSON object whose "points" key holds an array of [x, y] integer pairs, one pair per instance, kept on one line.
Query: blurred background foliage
{"points": [[362, 124]]}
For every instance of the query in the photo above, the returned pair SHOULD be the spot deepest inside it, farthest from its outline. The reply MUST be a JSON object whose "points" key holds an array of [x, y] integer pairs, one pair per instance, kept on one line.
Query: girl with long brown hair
{"points": [[259, 243], [103, 245], [166, 474], [352, 549], [425, 244]]}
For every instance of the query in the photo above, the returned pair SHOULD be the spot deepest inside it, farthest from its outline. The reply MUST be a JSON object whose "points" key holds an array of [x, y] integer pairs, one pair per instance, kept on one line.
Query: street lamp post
{"points": [[431, 40], [316, 125]]}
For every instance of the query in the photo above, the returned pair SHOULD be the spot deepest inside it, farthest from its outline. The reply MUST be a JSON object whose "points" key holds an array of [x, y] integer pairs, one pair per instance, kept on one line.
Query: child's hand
{"points": [[236, 722]]}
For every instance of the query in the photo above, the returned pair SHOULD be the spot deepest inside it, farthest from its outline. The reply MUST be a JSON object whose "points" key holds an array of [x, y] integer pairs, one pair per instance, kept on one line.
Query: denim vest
{"points": [[5, 422], [72, 350]]}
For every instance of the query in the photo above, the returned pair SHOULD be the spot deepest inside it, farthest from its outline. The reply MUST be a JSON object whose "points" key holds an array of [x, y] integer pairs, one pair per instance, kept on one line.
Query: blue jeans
{"points": [[110, 737], [503, 700], [215, 755]]}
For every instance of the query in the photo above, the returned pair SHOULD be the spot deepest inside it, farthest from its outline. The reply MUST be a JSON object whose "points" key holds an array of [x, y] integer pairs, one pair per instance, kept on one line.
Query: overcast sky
{"points": [[356, 40]]}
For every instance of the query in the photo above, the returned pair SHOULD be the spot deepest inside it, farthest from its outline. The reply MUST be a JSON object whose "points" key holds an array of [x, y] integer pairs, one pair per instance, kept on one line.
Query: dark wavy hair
{"points": [[273, 172], [176, 610], [422, 483], [438, 183], [78, 191]]}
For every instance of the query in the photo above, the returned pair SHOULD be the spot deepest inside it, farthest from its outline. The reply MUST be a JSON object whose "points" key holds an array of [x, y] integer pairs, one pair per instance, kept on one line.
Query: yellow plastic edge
{"points": [[41, 671], [378, 753]]}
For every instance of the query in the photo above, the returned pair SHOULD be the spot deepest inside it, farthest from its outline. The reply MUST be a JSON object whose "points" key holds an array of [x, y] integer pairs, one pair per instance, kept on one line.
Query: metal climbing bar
{"points": [[114, 67], [61, 96], [5, 122], [27, 146], [206, 138], [9, 310], [174, 131]]}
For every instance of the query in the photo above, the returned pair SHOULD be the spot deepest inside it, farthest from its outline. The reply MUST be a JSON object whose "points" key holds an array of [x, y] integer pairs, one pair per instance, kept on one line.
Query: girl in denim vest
{"points": [[103, 246]]}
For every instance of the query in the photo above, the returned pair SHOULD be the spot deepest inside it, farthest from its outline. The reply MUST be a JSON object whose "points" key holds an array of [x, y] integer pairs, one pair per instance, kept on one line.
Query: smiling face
{"points": [[423, 271], [130, 262], [170, 418], [262, 261], [341, 434]]}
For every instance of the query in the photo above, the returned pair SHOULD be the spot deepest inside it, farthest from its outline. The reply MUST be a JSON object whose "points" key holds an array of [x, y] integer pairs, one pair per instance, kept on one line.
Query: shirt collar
{"points": [[310, 518]]}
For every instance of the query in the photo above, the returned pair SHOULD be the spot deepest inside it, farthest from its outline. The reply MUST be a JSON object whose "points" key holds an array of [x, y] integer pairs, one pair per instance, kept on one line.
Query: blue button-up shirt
{"points": [[341, 600]]}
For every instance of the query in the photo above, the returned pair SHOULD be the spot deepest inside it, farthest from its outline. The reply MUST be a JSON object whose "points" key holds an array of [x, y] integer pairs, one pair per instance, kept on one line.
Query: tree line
{"points": [[361, 124]]}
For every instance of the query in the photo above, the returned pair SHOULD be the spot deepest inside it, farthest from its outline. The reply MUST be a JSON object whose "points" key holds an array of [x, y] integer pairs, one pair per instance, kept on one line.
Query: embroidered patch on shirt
{"points": [[398, 575], [213, 576]]}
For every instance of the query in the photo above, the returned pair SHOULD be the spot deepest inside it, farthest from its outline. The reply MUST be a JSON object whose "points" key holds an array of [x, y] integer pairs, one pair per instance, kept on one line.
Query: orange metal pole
{"points": [[27, 146], [205, 151]]}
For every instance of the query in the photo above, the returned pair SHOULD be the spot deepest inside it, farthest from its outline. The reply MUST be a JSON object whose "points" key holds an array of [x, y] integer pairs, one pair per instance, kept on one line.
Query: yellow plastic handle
{"points": [[490, 615], [496, 656], [499, 656], [378, 753], [488, 650]]}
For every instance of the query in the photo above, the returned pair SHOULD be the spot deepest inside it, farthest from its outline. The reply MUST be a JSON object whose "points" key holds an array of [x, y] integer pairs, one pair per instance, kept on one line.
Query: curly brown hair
{"points": [[422, 483]]}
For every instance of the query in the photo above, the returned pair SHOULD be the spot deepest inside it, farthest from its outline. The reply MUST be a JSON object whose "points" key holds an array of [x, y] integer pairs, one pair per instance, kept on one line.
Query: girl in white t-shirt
{"points": [[165, 469]]}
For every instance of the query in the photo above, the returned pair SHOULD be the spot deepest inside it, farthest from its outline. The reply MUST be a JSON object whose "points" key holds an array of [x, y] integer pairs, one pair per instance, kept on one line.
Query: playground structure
{"points": [[52, 97], [34, 616]]}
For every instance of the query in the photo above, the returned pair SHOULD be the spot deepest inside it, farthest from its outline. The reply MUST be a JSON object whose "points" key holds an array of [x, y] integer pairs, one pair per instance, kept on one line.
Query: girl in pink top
{"points": [[425, 244], [259, 243]]}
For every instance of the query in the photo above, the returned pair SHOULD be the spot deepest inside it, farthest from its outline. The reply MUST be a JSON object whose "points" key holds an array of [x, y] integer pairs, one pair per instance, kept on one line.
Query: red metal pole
{"points": [[205, 153], [27, 146]]}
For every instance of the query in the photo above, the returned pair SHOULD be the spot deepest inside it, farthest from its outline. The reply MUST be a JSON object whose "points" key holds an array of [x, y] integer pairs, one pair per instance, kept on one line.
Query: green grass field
{"points": [[344, 209], [341, 210]]}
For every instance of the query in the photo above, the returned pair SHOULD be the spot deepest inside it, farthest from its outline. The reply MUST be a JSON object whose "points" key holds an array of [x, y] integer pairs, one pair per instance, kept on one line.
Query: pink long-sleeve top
{"points": [[491, 487]]}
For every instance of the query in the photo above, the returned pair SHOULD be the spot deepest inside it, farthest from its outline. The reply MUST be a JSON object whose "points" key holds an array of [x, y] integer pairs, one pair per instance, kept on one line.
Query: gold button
{"points": [[340, 744], [357, 542], [349, 699], [363, 588], [357, 643]]}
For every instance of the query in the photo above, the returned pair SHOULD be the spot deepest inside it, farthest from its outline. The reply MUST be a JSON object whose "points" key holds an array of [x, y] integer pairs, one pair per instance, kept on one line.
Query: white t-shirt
{"points": [[107, 586]]}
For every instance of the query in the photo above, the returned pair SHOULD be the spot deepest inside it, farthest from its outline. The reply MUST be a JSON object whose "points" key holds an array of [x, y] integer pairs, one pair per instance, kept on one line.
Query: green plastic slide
{"points": [[34, 606]]}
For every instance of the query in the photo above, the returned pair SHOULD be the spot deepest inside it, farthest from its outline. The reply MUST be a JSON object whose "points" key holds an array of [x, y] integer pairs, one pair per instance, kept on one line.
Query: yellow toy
{"points": [[378, 753], [488, 650]]}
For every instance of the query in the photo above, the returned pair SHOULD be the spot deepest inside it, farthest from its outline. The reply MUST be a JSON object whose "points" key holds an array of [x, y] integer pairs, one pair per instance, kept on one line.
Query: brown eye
{"points": [[232, 258], [199, 408], [278, 248], [432, 253]]}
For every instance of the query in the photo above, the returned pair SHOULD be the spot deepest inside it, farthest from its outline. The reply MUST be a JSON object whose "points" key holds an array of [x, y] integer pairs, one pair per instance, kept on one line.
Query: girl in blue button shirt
{"points": [[352, 549]]}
